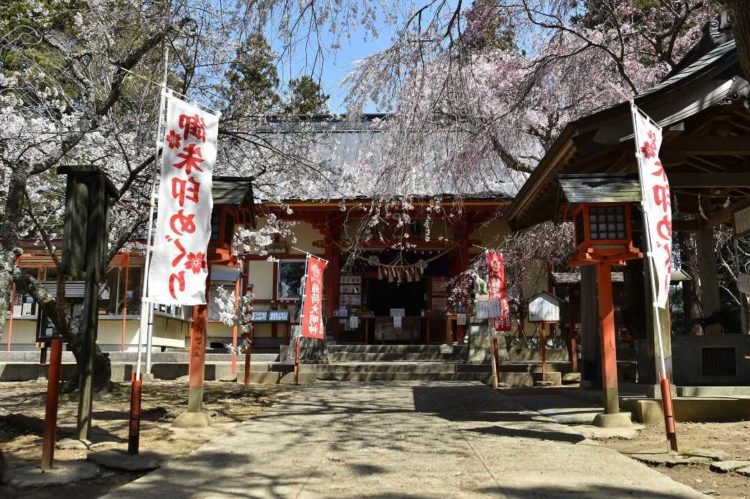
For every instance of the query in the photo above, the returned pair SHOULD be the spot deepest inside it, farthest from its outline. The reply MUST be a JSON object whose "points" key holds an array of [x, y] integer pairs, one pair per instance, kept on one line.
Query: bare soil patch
{"points": [[731, 440], [22, 415]]}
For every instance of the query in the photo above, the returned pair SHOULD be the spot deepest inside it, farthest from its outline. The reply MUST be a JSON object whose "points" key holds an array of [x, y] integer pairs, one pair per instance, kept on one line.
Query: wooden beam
{"points": [[709, 180], [724, 215], [710, 146]]}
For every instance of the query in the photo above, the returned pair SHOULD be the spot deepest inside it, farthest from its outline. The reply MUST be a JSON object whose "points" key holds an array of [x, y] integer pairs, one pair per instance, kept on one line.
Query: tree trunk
{"points": [[64, 327], [9, 250], [739, 13]]}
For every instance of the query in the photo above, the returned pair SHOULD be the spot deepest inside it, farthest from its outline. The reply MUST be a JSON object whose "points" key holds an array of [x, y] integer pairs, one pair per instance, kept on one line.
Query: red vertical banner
{"points": [[496, 270], [312, 307]]}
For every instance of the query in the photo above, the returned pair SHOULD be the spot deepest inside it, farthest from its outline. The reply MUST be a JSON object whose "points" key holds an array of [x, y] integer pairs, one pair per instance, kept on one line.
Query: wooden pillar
{"points": [[333, 274], [50, 414], [197, 363], [236, 326], [572, 341], [608, 346], [709, 284], [197, 357], [329, 229], [691, 288], [95, 247], [125, 303], [590, 370]]}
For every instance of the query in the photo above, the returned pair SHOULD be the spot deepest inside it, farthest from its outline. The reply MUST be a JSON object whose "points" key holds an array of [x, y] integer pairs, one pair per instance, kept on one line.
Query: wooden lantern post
{"points": [[600, 210]]}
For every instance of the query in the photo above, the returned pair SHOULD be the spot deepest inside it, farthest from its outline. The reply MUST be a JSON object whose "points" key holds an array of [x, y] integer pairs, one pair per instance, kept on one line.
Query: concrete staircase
{"points": [[346, 363], [419, 362]]}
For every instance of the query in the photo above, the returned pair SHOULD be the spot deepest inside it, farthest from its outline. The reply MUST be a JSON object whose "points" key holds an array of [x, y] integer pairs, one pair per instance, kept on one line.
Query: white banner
{"points": [[657, 202], [178, 263]]}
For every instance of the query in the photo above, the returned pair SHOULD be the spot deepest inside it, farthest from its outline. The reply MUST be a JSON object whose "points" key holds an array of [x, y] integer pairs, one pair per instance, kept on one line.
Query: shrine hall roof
{"points": [[232, 190], [709, 90], [325, 158]]}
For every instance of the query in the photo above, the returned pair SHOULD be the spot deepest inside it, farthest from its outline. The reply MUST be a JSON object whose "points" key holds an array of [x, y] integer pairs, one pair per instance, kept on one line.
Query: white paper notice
{"points": [[354, 322], [493, 308], [482, 310], [397, 322]]}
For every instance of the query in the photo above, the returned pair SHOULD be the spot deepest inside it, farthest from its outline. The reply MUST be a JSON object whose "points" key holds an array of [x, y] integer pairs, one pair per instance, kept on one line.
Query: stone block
{"points": [[120, 460], [551, 378], [62, 473], [727, 466], [615, 420], [192, 420]]}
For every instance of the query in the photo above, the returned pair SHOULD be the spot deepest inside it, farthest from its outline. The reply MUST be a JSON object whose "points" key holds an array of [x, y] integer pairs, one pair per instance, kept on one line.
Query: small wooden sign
{"points": [[544, 307]]}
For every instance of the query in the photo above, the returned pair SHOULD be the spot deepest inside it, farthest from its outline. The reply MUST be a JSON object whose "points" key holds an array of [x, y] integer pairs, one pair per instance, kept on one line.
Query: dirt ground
{"points": [[731, 440], [22, 415]]}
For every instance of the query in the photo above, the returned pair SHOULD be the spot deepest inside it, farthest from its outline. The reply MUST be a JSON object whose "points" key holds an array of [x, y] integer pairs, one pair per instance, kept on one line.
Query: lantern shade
{"points": [[600, 188], [599, 206]]}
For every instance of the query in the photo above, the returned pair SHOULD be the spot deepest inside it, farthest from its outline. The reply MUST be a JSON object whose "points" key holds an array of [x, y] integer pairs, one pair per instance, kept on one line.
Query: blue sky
{"points": [[336, 64]]}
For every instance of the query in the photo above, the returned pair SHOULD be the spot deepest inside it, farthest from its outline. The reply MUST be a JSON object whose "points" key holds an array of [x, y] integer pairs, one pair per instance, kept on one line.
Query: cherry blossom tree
{"points": [[77, 88], [479, 95]]}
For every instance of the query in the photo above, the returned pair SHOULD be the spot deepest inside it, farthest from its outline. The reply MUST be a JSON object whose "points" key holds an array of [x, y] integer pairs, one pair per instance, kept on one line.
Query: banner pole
{"points": [[146, 306], [664, 383]]}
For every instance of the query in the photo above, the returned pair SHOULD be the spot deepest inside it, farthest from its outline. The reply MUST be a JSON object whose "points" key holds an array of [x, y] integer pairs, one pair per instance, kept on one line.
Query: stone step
{"points": [[391, 356], [535, 366], [406, 367], [32, 356], [339, 348], [401, 376]]}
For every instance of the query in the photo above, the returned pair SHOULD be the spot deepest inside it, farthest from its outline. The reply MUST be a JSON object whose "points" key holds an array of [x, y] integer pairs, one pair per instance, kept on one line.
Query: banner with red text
{"points": [[657, 202], [312, 307], [496, 270], [178, 264]]}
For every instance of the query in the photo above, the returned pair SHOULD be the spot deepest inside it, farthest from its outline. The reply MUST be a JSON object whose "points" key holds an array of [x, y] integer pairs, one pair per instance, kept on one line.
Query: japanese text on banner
{"points": [[496, 270], [657, 201], [312, 308], [178, 266]]}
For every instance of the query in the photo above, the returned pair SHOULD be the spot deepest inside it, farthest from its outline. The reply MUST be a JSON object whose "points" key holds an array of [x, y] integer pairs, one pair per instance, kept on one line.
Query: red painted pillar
{"points": [[134, 426], [50, 415], [609, 352], [333, 273], [197, 357]]}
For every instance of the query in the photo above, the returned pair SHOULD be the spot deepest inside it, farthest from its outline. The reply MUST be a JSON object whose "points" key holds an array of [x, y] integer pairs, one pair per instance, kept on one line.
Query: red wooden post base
{"points": [[50, 415], [134, 428], [666, 400], [197, 358]]}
